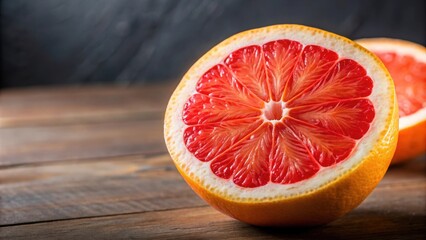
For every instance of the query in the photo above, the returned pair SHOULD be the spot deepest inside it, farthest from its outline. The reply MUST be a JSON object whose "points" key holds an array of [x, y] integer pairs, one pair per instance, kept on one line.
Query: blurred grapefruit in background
{"points": [[406, 62]]}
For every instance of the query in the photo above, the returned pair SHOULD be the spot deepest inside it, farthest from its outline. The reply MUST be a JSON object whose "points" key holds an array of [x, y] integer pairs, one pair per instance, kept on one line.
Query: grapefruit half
{"points": [[406, 62], [283, 125]]}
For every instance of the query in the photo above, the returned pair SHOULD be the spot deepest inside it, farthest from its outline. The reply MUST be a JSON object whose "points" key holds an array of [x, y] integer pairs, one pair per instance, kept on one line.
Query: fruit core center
{"points": [[274, 111]]}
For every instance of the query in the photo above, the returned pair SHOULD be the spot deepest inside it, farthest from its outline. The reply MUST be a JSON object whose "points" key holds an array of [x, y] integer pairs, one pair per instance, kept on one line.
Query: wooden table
{"points": [[90, 163]]}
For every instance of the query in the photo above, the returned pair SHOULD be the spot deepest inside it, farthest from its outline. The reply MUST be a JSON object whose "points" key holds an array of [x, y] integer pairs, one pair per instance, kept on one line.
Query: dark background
{"points": [[77, 42]]}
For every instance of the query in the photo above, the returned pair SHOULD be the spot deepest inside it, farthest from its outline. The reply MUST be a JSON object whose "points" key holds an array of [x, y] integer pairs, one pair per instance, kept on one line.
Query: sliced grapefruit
{"points": [[406, 62], [283, 125]]}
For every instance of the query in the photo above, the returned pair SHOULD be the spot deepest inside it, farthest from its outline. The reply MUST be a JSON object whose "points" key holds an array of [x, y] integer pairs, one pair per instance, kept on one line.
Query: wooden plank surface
{"points": [[384, 214], [98, 187], [21, 145], [67, 105], [55, 124], [84, 188], [92, 164]]}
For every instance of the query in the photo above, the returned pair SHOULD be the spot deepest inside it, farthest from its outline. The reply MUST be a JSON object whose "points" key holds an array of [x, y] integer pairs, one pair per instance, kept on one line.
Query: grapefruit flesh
{"points": [[258, 118], [283, 125], [406, 62], [409, 76]]}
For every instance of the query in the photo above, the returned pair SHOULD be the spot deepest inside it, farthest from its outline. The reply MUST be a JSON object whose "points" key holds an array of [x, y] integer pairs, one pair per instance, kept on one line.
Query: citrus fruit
{"points": [[406, 62], [283, 125]]}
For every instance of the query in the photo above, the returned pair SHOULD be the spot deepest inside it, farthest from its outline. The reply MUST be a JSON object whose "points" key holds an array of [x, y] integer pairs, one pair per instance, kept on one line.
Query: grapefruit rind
{"points": [[208, 185]]}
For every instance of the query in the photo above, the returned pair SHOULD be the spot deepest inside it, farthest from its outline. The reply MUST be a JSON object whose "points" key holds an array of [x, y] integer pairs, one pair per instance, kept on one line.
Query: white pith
{"points": [[200, 171], [400, 47]]}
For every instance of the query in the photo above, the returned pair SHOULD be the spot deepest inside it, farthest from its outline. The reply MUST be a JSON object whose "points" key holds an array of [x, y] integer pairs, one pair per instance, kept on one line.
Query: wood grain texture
{"points": [[135, 184], [79, 141], [57, 124], [97, 187], [383, 215], [69, 105]]}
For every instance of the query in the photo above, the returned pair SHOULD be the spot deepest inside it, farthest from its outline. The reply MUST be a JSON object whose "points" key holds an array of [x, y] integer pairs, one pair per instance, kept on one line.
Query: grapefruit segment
{"points": [[313, 64], [350, 118], [218, 82], [248, 66], [345, 80], [290, 159], [208, 140], [280, 59], [326, 147], [247, 162], [201, 109]]}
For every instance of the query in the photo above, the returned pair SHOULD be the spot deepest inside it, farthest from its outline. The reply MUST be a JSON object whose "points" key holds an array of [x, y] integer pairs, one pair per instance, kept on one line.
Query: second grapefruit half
{"points": [[406, 62]]}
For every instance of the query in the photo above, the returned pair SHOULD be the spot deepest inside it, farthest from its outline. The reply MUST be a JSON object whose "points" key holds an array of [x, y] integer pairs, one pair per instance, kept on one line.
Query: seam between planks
{"points": [[83, 160], [102, 216], [94, 119]]}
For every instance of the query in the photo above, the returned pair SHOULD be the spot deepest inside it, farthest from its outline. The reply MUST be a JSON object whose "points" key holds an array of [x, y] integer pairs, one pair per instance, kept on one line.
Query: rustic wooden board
{"points": [[97, 187], [21, 145], [383, 215], [82, 188], [67, 105]]}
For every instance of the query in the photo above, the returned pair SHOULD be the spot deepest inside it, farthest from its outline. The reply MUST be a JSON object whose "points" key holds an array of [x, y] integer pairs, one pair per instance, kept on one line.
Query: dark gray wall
{"points": [[140, 41]]}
